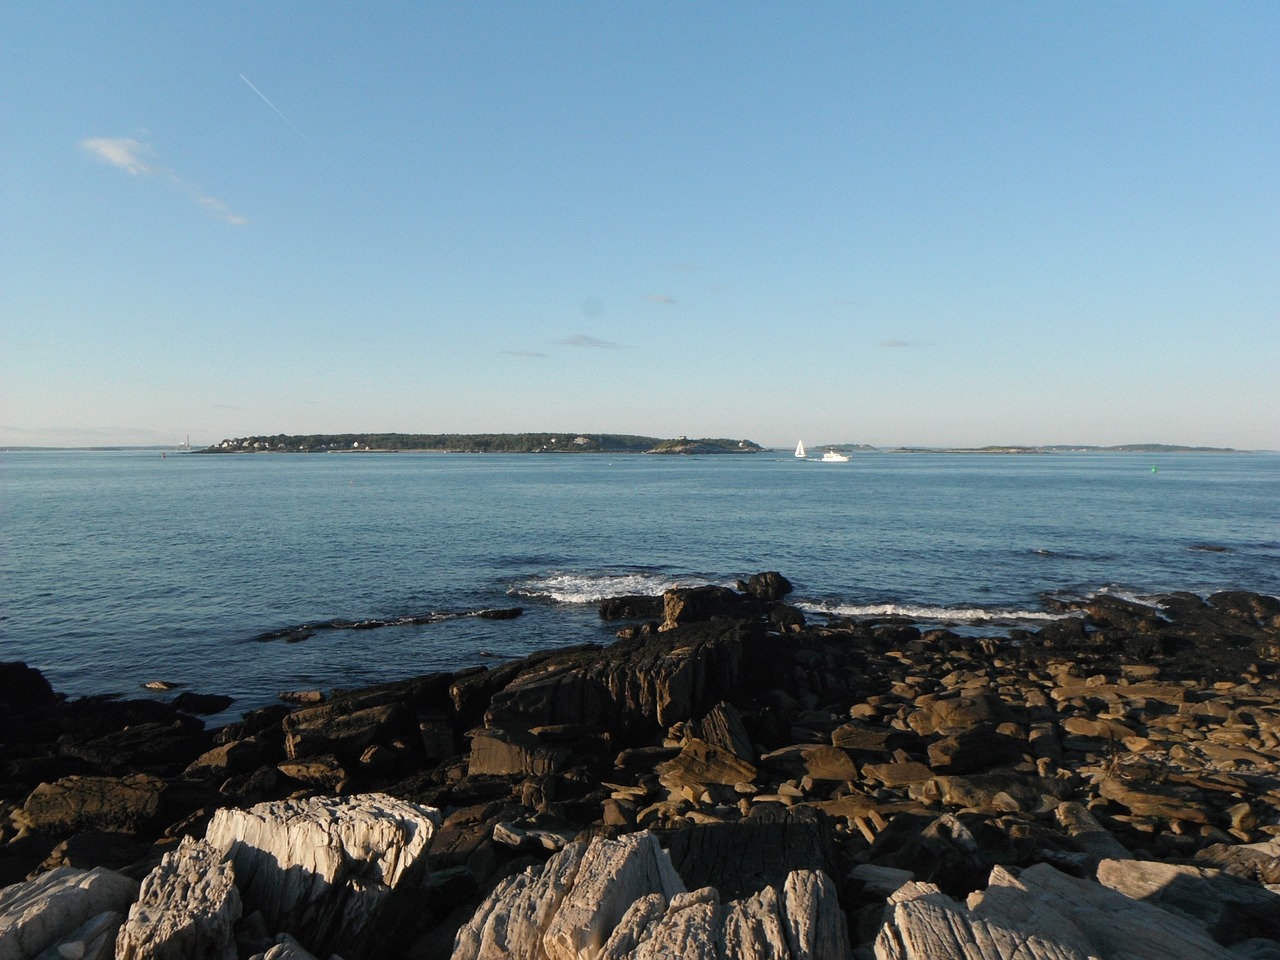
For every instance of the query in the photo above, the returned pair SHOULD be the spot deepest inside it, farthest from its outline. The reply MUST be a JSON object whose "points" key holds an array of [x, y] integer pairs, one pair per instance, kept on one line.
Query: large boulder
{"points": [[53, 909], [339, 873], [187, 909], [118, 804], [622, 899], [635, 688]]}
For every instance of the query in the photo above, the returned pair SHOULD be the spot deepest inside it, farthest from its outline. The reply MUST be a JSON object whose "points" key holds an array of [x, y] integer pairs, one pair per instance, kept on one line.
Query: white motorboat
{"points": [[834, 456]]}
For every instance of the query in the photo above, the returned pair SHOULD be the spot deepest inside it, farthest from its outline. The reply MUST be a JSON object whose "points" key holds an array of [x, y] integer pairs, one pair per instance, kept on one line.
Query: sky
{"points": [[926, 223]]}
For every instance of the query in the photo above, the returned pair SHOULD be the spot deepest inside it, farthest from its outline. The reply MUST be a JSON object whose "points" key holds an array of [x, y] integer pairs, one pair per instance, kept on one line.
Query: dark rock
{"points": [[740, 859], [770, 586], [202, 703], [685, 605], [638, 687], [24, 689], [114, 804], [786, 619], [978, 748], [159, 748], [630, 608], [501, 613]]}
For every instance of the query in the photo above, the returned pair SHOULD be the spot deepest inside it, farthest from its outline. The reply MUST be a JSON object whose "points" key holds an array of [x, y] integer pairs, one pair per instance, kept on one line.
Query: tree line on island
{"points": [[479, 443]]}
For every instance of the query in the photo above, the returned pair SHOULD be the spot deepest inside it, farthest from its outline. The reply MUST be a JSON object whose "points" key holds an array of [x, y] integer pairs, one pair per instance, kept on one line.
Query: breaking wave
{"points": [[579, 586], [933, 614]]}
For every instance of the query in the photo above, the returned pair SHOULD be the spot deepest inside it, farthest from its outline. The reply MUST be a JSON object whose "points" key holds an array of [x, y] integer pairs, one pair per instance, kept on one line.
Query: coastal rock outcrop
{"points": [[333, 872], [63, 906], [742, 784], [187, 909]]}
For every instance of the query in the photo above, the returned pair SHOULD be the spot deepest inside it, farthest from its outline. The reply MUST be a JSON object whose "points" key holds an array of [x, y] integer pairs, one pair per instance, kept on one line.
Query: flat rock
{"points": [[119, 804], [1228, 907]]}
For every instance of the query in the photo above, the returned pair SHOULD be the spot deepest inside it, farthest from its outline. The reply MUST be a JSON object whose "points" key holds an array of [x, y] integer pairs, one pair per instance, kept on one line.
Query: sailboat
{"points": [[800, 454]]}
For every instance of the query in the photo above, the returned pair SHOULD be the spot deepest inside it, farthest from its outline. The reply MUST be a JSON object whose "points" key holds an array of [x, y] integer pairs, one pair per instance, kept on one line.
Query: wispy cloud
{"points": [[123, 152], [135, 158], [582, 340], [660, 298], [522, 353], [903, 344]]}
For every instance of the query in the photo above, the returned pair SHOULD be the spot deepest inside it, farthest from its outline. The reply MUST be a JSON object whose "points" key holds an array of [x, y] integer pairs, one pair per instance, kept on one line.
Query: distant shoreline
{"points": [[657, 446]]}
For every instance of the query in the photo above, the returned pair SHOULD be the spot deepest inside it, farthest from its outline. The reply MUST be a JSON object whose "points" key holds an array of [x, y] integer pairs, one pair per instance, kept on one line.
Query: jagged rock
{"points": [[616, 899], [613, 875], [510, 923], [741, 858], [351, 721], [637, 687], [187, 909], [43, 913], [118, 804], [1042, 914], [723, 727], [684, 605], [328, 869], [285, 948], [996, 790], [229, 759], [1228, 907]]}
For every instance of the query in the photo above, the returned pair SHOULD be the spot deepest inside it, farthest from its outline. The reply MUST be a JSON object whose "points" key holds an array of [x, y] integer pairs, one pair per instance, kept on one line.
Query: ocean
{"points": [[128, 567]]}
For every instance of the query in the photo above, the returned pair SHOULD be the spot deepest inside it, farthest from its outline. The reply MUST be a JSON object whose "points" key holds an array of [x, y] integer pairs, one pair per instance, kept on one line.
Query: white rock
{"points": [[815, 925], [40, 914], [285, 948], [187, 910], [754, 928], [1042, 914], [512, 919], [622, 900], [614, 874], [95, 940], [634, 927], [323, 868]]}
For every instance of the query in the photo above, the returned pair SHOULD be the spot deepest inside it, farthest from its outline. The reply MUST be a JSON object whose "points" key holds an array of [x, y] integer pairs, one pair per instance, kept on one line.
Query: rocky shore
{"points": [[725, 781]]}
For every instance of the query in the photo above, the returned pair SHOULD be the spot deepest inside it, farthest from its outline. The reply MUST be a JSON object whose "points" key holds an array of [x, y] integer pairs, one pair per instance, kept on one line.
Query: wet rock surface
{"points": [[726, 780]]}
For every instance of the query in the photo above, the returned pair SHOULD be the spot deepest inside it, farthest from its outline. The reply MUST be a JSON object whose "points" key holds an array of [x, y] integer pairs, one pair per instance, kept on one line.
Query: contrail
{"points": [[305, 138]]}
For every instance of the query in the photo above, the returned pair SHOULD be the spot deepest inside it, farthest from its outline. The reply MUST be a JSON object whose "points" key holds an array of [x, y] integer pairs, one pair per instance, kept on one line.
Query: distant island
{"points": [[1073, 448], [479, 443]]}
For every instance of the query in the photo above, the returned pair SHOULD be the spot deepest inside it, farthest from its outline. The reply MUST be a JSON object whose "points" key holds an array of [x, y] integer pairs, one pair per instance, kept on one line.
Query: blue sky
{"points": [[885, 223]]}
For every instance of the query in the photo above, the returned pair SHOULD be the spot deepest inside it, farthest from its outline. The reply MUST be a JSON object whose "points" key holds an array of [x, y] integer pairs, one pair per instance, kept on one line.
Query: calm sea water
{"points": [[126, 567]]}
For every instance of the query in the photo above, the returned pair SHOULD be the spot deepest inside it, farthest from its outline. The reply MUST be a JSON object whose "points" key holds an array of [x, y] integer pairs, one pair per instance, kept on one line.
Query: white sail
{"points": [[800, 450]]}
